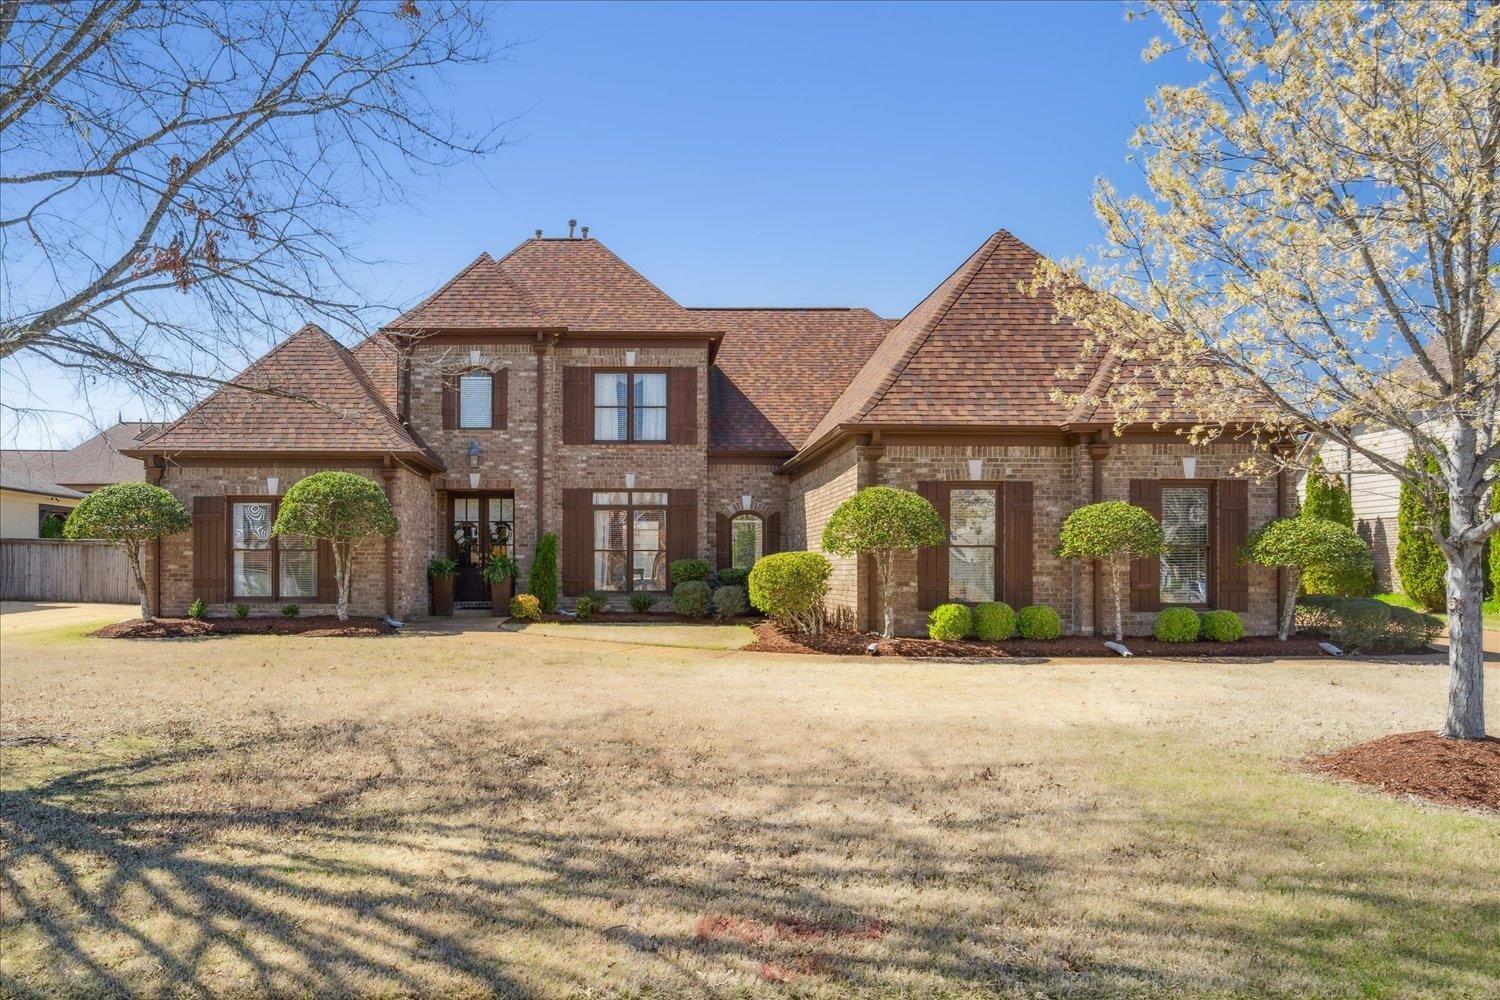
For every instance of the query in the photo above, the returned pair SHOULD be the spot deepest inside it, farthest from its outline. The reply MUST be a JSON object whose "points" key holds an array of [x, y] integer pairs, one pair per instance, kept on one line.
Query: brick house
{"points": [[556, 389]]}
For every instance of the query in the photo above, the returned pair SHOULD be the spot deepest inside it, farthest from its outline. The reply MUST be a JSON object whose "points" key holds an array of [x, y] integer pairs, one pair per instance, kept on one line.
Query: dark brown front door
{"points": [[480, 525]]}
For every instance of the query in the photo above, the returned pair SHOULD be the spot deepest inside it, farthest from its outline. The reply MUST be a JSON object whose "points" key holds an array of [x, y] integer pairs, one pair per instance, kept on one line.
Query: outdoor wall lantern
{"points": [[745, 501], [976, 469], [473, 464], [272, 482], [630, 359], [1189, 466], [630, 480]]}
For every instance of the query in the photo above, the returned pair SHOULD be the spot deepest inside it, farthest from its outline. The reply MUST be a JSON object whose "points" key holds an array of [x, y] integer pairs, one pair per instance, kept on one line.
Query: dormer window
{"points": [[475, 403], [630, 406]]}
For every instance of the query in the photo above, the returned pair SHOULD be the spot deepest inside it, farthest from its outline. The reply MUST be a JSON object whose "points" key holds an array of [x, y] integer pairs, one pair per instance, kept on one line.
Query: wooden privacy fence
{"points": [[52, 569]]}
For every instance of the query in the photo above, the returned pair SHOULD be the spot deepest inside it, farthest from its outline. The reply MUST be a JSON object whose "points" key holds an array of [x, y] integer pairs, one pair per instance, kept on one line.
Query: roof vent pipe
{"points": [[538, 234], [585, 232], [572, 224]]}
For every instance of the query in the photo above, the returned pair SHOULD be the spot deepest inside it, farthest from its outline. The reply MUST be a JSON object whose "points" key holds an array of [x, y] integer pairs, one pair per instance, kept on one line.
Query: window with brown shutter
{"points": [[577, 541], [450, 401], [1145, 573], [932, 560], [772, 541], [210, 572], [500, 399], [723, 554], [1233, 528], [682, 406], [578, 405], [1018, 545], [682, 525]]}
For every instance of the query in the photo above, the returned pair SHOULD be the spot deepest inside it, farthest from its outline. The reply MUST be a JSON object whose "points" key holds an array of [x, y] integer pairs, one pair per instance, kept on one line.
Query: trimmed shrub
{"points": [[1299, 543], [1419, 562], [729, 602], [242, 611], [1177, 625], [290, 610], [881, 521], [586, 606], [198, 609], [1328, 500], [949, 622], [1037, 621], [688, 570], [641, 603], [1114, 532], [789, 587], [129, 515], [733, 576], [994, 621], [526, 607], [542, 580], [1363, 623], [341, 509], [693, 599], [1221, 626]]}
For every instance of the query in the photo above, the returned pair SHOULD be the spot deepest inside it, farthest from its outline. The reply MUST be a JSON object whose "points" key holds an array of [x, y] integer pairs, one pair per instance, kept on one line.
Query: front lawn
{"points": [[552, 815]]}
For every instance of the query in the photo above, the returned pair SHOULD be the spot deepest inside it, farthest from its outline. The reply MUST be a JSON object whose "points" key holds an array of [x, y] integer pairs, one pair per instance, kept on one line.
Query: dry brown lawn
{"points": [[542, 815]]}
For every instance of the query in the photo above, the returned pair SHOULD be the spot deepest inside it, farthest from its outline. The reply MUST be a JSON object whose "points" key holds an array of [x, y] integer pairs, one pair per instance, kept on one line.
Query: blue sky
{"points": [[741, 154]]}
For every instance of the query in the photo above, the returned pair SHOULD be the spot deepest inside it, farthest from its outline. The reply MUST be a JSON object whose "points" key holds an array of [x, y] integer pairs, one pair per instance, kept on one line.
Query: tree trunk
{"points": [[133, 553], [1464, 551], [1115, 565], [1289, 610], [341, 567], [883, 565]]}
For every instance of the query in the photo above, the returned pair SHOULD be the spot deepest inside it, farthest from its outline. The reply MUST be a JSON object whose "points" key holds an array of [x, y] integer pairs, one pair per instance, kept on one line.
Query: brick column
{"points": [[868, 459], [1098, 452]]}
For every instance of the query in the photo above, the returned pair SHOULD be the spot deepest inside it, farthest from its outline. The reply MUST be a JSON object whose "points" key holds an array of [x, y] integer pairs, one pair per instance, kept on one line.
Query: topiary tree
{"points": [[1297, 543], [1420, 563], [342, 509], [1328, 499], [129, 515], [542, 580], [881, 521], [1115, 532]]}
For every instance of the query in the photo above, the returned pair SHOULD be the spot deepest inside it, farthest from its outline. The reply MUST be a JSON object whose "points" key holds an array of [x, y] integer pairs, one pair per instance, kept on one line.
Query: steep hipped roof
{"points": [[96, 462], [778, 371], [979, 350], [573, 284], [20, 482], [377, 356], [307, 394]]}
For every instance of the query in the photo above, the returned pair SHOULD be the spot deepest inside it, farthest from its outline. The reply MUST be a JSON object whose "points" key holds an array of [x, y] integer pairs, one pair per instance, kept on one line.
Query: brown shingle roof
{"points": [[96, 462], [778, 371], [339, 409], [577, 284], [20, 482], [377, 356]]}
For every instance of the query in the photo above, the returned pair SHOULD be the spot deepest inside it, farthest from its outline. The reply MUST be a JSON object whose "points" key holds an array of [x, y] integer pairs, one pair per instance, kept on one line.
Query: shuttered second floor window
{"points": [[475, 406], [630, 406]]}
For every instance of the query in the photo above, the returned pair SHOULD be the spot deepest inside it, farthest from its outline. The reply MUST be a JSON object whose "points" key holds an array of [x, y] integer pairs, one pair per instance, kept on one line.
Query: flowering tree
{"points": [[342, 509], [1115, 532], [881, 521], [130, 515], [1317, 253], [1299, 544]]}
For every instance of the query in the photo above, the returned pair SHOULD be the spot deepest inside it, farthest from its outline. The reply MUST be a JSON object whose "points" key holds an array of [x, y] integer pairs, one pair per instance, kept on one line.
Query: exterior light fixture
{"points": [[976, 469], [630, 480], [630, 358], [473, 454], [745, 501], [474, 357], [1189, 466], [272, 482]]}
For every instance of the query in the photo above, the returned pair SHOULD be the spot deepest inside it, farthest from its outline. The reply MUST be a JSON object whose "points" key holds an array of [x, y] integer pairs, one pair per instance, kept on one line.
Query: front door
{"points": [[480, 525]]}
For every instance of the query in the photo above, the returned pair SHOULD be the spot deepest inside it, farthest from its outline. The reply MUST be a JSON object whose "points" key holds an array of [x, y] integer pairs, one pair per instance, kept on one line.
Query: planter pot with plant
{"points": [[500, 573], [441, 572]]}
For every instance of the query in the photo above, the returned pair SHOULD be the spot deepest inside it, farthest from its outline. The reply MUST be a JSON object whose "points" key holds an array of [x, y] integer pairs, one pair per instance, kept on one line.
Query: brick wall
{"points": [[811, 500], [728, 482]]}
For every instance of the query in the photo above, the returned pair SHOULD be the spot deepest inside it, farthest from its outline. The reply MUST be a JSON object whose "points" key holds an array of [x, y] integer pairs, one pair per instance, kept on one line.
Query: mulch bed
{"points": [[654, 617], [1453, 772], [190, 628], [771, 638]]}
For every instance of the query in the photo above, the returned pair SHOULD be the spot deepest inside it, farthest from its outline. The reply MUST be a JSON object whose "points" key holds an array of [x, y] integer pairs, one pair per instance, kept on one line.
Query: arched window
{"points": [[747, 540]]}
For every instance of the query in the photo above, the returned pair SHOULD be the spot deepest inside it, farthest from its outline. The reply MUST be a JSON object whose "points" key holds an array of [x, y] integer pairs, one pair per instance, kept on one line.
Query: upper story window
{"points": [[475, 406], [630, 406], [1184, 565]]}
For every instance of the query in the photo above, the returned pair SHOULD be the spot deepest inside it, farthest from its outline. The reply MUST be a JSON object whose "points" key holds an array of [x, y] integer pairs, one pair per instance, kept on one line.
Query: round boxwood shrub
{"points": [[949, 622], [641, 603], [526, 607], [1221, 626], [687, 570], [733, 576], [789, 587], [729, 602], [693, 599], [1177, 625], [994, 621], [1037, 621]]}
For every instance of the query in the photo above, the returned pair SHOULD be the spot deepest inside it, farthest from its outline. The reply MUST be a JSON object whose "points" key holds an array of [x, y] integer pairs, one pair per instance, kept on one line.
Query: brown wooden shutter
{"points": [[577, 543], [771, 537], [932, 561], [1145, 574], [210, 547], [1232, 527], [1017, 541], [682, 525], [682, 406], [723, 543], [578, 405], [450, 401], [328, 584], [499, 398]]}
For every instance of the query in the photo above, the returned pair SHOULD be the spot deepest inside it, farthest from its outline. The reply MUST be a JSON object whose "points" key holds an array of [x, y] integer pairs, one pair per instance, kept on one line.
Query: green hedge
{"points": [[1358, 623], [949, 622], [1177, 625], [693, 599], [1037, 621], [1221, 626], [789, 587], [994, 621]]}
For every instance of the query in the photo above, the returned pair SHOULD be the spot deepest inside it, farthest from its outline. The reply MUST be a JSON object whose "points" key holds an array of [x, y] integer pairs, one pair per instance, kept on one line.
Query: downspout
{"points": [[870, 456], [1098, 452], [541, 429], [388, 483]]}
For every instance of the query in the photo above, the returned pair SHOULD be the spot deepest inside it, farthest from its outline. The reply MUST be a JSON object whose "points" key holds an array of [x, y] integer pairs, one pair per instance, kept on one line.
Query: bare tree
{"points": [[177, 178], [1321, 234]]}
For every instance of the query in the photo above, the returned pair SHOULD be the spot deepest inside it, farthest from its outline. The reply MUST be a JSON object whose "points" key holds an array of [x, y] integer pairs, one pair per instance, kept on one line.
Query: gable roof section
{"points": [[551, 283], [979, 350], [778, 371], [336, 408], [20, 482], [96, 462]]}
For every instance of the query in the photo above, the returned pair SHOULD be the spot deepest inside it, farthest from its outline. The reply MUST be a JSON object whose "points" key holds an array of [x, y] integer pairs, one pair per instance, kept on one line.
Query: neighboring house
{"points": [[96, 462], [26, 501], [1374, 493], [556, 389]]}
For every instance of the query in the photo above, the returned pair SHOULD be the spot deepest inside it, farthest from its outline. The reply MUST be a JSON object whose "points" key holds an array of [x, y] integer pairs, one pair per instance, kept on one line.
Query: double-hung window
{"points": [[475, 390], [1184, 564], [266, 566], [971, 544], [630, 541], [630, 406]]}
